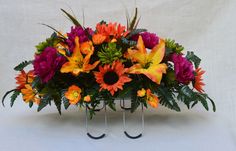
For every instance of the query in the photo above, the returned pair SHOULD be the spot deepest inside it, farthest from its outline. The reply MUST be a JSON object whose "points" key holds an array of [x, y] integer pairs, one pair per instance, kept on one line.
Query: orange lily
{"points": [[77, 63], [148, 63]]}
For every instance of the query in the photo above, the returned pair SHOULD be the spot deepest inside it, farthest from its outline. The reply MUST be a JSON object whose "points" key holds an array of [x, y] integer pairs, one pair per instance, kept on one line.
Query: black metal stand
{"points": [[105, 122], [122, 105]]}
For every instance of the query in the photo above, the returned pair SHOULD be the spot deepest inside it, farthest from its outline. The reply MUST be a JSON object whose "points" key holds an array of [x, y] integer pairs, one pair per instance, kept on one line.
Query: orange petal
{"points": [[98, 39]]}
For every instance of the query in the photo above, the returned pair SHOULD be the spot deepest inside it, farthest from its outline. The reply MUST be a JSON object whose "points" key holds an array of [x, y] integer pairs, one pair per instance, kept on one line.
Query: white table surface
{"points": [[206, 26]]}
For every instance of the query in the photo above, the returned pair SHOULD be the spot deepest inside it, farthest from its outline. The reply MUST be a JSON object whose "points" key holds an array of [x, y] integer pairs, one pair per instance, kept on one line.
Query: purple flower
{"points": [[183, 69], [150, 39], [47, 63], [80, 32]]}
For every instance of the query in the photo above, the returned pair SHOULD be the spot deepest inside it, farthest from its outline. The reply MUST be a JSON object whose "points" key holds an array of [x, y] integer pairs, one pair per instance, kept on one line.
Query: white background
{"points": [[206, 26]]}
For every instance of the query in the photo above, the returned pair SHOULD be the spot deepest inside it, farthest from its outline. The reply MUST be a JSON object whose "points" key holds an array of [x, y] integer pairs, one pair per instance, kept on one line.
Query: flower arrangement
{"points": [[86, 66]]}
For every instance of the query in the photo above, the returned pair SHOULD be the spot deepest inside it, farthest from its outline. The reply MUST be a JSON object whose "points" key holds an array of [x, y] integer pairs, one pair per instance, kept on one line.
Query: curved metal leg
{"points": [[124, 123], [123, 106], [105, 123]]}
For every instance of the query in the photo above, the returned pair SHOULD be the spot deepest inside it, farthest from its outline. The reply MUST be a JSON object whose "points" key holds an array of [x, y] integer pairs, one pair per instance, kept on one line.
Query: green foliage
{"points": [[192, 57], [72, 18], [129, 43], [57, 102], [135, 32], [13, 96], [133, 23], [31, 104], [135, 101], [22, 65], [109, 53], [65, 100], [167, 98], [173, 47], [50, 42], [188, 96], [44, 102], [56, 31]]}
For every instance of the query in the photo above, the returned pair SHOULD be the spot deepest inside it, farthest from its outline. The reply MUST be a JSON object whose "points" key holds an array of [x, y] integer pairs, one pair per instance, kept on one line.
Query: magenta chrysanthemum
{"points": [[183, 69], [47, 63], [150, 39], [80, 32]]}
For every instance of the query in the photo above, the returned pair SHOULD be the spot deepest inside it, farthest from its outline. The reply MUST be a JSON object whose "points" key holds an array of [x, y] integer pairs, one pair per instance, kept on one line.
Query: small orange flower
{"points": [[112, 77], [107, 32], [98, 39], [30, 94], [73, 94], [198, 84], [87, 47], [141, 93], [152, 99], [87, 98], [24, 78]]}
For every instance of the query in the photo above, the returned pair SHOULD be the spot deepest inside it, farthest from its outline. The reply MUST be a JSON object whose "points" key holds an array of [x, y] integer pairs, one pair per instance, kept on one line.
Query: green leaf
{"points": [[212, 102], [66, 103], [31, 104], [112, 105], [134, 20], [14, 96], [44, 102], [130, 43], [167, 98], [72, 18], [56, 31], [203, 100], [135, 32], [172, 47], [57, 102], [22, 65], [109, 53], [36, 82], [193, 58], [50, 42], [134, 101], [186, 95], [5, 95]]}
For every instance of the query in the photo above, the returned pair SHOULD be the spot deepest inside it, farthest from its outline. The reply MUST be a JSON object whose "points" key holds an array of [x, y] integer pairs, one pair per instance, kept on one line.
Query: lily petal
{"points": [[157, 53]]}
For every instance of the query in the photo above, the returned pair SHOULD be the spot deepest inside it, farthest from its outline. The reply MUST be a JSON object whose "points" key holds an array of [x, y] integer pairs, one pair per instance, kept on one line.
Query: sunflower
{"points": [[112, 77], [73, 94], [30, 94], [198, 84]]}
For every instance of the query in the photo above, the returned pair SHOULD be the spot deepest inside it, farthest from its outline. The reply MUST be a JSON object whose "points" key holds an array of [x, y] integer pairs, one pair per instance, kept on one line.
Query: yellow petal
{"points": [[157, 53], [137, 56], [67, 67], [154, 72], [76, 53], [141, 46]]}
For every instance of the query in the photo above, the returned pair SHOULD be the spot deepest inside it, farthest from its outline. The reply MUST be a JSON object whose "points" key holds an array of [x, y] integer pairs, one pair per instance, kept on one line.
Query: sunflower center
{"points": [[110, 77]]}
